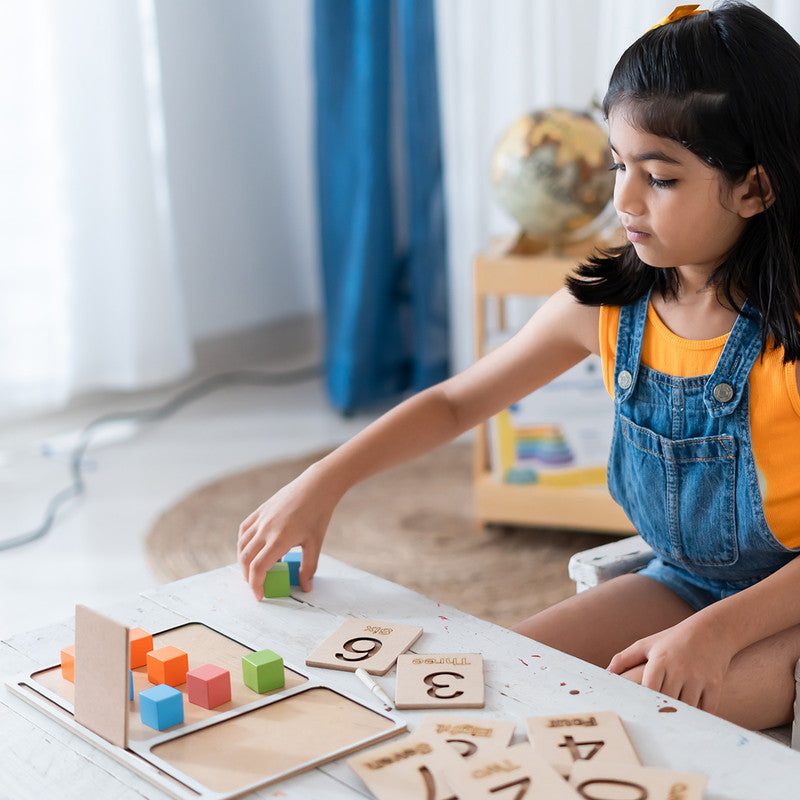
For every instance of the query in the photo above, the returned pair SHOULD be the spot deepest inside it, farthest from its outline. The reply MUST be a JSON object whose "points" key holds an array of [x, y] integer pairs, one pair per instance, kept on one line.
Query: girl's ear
{"points": [[755, 193]]}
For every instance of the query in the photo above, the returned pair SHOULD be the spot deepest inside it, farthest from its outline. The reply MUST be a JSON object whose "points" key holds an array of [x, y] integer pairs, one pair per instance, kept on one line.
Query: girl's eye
{"points": [[616, 167], [662, 184]]}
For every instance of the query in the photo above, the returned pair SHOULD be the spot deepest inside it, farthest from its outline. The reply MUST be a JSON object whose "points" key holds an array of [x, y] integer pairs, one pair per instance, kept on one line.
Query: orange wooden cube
{"points": [[68, 663], [141, 645], [167, 665]]}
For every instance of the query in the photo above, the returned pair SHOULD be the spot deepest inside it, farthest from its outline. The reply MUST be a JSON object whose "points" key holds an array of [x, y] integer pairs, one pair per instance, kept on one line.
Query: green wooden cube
{"points": [[263, 671], [278, 582]]}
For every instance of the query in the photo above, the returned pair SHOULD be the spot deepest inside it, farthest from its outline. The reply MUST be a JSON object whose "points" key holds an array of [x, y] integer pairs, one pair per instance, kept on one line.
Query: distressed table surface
{"points": [[41, 759]]}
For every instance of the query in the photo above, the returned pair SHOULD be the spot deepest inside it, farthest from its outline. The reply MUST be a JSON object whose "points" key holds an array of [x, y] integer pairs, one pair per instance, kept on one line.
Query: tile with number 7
{"points": [[369, 644]]}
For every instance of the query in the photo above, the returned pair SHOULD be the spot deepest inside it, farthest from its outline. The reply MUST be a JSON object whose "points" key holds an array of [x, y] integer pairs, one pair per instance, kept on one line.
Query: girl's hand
{"points": [[687, 662], [298, 514]]}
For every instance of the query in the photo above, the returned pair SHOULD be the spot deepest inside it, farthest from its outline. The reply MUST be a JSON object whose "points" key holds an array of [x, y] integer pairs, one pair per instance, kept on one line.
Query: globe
{"points": [[551, 171]]}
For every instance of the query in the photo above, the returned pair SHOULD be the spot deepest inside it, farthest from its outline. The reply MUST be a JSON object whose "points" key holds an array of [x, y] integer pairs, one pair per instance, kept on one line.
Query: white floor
{"points": [[95, 553]]}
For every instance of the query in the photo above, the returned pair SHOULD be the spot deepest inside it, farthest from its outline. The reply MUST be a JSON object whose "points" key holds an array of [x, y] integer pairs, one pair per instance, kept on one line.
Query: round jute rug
{"points": [[412, 524]]}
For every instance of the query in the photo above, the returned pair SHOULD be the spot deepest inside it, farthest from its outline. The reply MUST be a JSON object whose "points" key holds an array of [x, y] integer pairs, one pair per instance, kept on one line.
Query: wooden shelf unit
{"points": [[506, 269]]}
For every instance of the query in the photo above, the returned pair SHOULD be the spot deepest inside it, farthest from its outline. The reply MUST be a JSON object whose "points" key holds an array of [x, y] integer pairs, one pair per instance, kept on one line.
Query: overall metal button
{"points": [[624, 379], [723, 392]]}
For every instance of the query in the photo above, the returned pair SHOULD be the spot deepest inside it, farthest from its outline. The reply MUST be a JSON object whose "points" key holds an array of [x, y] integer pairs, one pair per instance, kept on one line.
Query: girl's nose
{"points": [[627, 198]]}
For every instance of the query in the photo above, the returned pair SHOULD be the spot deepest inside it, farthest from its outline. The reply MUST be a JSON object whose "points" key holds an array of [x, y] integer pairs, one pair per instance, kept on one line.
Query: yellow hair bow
{"points": [[679, 13]]}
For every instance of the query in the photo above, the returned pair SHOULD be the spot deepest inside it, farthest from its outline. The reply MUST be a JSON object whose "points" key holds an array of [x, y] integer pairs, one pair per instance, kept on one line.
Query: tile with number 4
{"points": [[565, 739], [447, 680], [374, 646]]}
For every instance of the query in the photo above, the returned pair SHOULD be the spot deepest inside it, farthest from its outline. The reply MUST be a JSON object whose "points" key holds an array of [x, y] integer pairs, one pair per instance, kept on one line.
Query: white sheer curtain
{"points": [[89, 291], [499, 60]]}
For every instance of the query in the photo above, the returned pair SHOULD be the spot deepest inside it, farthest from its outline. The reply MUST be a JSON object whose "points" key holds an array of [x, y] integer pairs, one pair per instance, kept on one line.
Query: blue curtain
{"points": [[381, 228]]}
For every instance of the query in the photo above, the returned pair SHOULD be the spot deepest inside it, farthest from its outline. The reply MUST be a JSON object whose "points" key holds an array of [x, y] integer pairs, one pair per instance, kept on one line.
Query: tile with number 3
{"points": [[448, 680]]}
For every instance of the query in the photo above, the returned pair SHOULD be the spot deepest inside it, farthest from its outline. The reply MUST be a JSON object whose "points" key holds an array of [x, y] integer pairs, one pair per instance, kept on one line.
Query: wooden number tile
{"points": [[467, 736], [452, 680], [596, 736], [595, 781], [407, 769], [373, 646], [515, 772]]}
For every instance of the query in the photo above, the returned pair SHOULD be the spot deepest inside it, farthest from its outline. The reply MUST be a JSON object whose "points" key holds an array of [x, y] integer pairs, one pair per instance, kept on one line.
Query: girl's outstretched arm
{"points": [[557, 337]]}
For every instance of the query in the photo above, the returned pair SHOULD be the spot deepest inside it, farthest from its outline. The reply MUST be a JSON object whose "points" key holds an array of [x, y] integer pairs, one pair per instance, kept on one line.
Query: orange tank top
{"points": [[774, 408]]}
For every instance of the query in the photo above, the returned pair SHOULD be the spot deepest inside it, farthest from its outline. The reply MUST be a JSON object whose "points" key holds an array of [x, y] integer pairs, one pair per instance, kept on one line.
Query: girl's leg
{"points": [[596, 624]]}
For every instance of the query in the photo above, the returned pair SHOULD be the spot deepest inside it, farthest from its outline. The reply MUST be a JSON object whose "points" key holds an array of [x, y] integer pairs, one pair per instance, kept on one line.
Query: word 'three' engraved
{"points": [[456, 662]]}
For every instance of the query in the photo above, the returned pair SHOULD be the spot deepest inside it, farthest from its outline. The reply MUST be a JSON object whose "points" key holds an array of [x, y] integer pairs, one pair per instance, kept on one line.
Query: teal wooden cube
{"points": [[161, 706], [278, 581], [293, 558], [263, 671]]}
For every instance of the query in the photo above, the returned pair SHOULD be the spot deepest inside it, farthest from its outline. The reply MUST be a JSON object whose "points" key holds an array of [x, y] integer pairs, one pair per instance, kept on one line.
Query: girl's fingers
{"points": [[308, 565], [627, 659], [259, 566]]}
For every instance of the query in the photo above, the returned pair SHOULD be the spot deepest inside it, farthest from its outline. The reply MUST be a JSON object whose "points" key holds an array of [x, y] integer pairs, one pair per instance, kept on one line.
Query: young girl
{"points": [[696, 321]]}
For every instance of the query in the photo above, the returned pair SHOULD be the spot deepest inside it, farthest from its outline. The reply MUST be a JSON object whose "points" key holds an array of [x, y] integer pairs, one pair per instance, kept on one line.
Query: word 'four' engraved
{"points": [[562, 722]]}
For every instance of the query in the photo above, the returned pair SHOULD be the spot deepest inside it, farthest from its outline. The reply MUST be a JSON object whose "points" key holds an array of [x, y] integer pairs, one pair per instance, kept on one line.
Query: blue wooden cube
{"points": [[277, 583], [292, 558], [161, 706], [263, 671]]}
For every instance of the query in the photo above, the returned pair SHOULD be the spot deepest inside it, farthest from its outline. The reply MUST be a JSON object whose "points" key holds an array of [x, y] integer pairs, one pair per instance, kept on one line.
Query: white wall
{"points": [[238, 96], [238, 93]]}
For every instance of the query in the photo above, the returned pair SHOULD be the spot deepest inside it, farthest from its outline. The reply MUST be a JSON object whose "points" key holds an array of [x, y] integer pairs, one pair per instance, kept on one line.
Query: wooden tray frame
{"points": [[138, 755]]}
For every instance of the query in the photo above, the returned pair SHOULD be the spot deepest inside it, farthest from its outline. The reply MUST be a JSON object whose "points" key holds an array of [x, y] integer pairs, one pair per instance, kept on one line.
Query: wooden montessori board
{"points": [[231, 750]]}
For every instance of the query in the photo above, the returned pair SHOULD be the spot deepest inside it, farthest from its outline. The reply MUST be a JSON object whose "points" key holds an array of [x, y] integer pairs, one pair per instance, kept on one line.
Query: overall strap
{"points": [[632, 319], [725, 386]]}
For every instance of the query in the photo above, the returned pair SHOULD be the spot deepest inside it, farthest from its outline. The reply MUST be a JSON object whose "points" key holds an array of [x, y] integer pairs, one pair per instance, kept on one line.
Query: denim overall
{"points": [[682, 468]]}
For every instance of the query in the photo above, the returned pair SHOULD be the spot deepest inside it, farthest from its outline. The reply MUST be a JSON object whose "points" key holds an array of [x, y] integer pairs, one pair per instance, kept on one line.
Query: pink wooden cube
{"points": [[208, 686]]}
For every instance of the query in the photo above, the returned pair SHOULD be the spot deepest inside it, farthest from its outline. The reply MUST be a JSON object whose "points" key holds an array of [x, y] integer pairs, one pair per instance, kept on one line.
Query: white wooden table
{"points": [[41, 759]]}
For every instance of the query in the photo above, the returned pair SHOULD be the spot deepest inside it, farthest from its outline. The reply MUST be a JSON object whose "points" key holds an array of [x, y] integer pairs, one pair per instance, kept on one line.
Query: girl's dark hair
{"points": [[726, 85]]}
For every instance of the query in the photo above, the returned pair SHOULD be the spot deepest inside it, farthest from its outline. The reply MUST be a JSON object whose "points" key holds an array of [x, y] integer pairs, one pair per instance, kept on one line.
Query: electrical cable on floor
{"points": [[154, 414]]}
